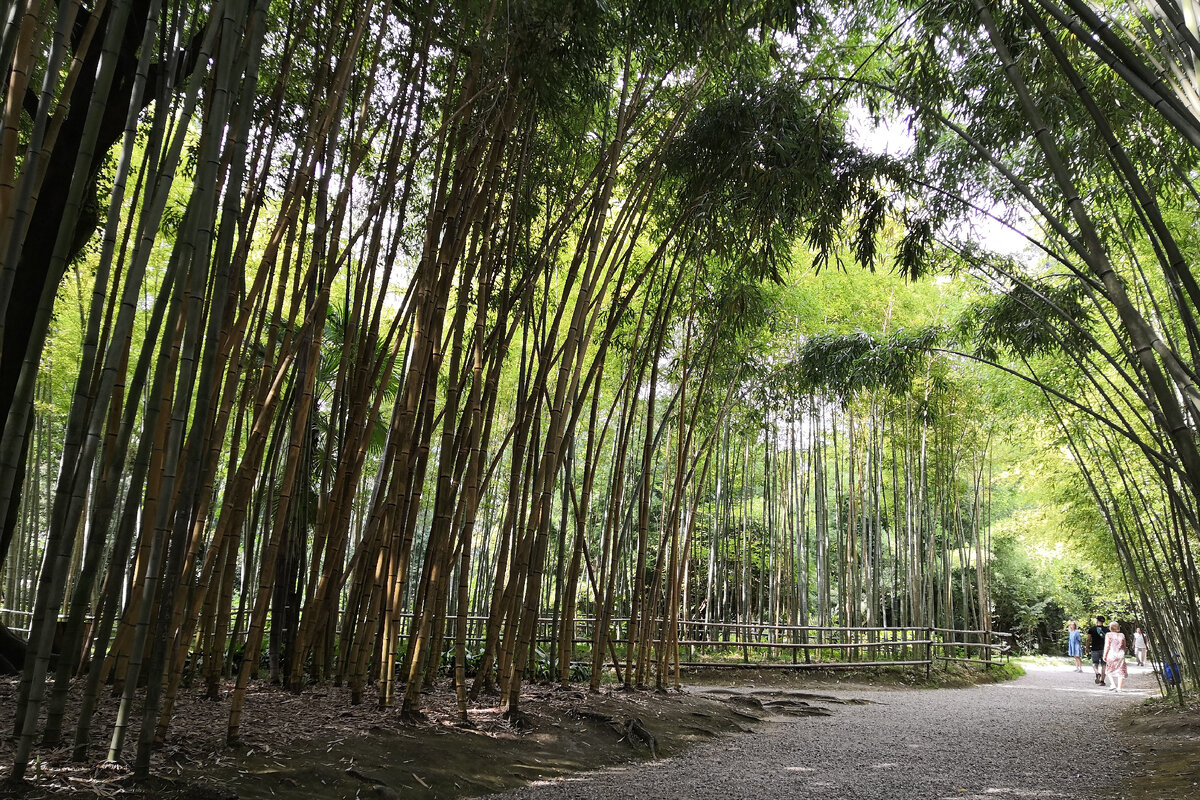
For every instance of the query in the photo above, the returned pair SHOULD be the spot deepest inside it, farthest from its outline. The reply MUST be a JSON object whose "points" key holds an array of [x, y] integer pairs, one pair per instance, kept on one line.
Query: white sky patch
{"points": [[878, 135], [998, 237], [891, 136]]}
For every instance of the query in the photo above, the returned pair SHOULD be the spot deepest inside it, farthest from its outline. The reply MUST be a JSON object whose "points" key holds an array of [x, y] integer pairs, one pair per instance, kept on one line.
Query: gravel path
{"points": [[1035, 737]]}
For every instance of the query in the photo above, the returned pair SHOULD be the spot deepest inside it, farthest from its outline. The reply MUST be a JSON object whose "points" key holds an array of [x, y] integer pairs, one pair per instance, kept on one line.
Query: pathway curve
{"points": [[1036, 737]]}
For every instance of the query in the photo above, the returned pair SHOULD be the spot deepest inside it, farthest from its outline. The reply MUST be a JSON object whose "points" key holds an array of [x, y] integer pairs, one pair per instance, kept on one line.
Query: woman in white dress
{"points": [[1114, 656]]}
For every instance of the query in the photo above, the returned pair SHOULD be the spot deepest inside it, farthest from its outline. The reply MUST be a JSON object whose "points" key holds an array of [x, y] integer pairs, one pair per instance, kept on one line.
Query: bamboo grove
{"points": [[1084, 116], [402, 327], [848, 492], [395, 317]]}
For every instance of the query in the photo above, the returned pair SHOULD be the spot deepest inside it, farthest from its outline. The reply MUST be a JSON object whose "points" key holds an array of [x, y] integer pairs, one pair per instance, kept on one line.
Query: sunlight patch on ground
{"points": [[1091, 689], [1002, 791]]}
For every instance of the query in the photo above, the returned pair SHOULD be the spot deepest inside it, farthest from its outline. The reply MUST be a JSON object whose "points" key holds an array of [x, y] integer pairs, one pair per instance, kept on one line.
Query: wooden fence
{"points": [[17, 621], [731, 644], [763, 646]]}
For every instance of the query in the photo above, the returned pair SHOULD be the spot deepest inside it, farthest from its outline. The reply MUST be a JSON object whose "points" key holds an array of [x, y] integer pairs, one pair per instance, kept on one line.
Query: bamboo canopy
{"points": [[411, 334]]}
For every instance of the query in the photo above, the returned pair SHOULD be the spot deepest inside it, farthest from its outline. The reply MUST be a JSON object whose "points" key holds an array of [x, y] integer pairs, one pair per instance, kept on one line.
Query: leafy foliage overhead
{"points": [[1028, 320], [765, 165], [846, 364]]}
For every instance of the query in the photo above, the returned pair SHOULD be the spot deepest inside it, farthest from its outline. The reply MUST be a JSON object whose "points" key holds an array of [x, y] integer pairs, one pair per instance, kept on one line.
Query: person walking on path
{"points": [[1096, 635], [1114, 656], [1140, 647], [1075, 645]]}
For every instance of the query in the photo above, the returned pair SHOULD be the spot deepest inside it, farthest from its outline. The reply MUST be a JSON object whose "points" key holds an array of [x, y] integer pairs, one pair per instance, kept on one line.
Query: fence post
{"points": [[928, 651]]}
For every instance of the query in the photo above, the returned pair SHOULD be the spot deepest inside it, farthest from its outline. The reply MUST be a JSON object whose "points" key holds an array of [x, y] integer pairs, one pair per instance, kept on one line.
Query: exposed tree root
{"points": [[519, 720], [629, 728], [634, 727], [381, 788]]}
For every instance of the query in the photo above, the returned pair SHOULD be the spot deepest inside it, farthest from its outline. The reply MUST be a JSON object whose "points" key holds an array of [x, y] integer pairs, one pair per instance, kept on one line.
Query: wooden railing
{"points": [[709, 644], [17, 621], [809, 646], [831, 647]]}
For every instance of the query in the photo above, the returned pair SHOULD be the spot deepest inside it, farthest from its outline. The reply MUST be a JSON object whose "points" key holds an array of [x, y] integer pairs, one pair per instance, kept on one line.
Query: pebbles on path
{"points": [[1044, 735]]}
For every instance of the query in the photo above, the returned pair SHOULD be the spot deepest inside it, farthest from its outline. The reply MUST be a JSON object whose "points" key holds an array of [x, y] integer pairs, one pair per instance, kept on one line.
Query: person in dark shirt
{"points": [[1096, 635]]}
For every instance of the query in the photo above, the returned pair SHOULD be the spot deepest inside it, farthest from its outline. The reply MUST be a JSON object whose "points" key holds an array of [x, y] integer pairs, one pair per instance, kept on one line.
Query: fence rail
{"points": [[9, 616], [708, 644], [821, 647]]}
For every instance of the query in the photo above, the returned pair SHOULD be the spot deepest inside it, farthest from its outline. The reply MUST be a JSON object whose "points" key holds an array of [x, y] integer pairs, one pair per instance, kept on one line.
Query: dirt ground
{"points": [[1164, 745], [315, 745]]}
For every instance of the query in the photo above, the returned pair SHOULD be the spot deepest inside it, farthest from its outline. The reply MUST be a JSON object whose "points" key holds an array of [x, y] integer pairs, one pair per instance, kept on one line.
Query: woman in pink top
{"points": [[1114, 655]]}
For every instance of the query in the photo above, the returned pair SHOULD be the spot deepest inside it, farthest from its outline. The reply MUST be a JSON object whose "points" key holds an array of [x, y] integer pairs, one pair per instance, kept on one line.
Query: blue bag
{"points": [[1172, 674]]}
